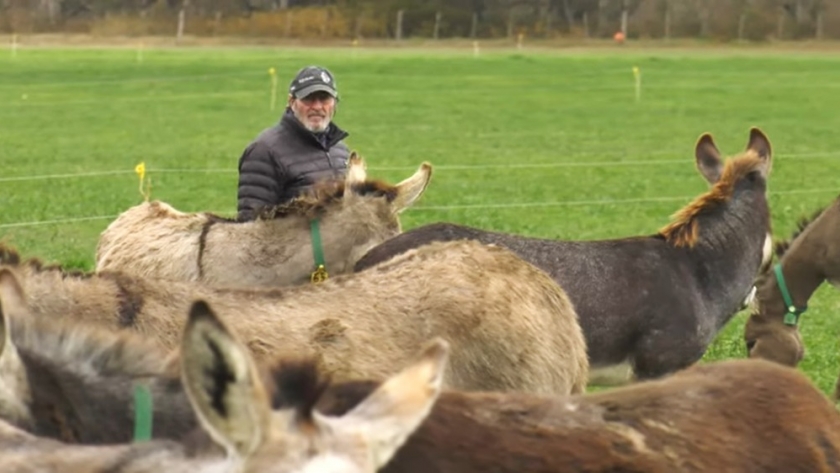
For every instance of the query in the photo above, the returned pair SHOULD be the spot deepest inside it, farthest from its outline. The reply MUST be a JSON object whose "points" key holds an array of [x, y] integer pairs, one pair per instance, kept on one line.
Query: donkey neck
{"points": [[802, 273], [729, 253], [79, 406], [345, 212], [58, 396], [75, 408], [345, 232], [82, 377]]}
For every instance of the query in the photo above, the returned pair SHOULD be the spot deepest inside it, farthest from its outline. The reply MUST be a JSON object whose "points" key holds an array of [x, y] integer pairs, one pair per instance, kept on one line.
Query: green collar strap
{"points": [[142, 413], [792, 314], [320, 274]]}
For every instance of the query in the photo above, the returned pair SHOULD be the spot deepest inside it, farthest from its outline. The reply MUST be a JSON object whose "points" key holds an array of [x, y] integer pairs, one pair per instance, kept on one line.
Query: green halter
{"points": [[142, 413], [320, 274], [793, 313]]}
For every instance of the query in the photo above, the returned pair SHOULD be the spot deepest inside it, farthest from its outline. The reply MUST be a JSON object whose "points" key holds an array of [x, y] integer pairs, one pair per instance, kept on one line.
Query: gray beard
{"points": [[321, 129]]}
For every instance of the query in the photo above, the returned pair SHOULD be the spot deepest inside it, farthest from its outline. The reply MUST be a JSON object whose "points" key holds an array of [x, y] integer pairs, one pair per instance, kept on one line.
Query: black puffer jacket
{"points": [[285, 160]]}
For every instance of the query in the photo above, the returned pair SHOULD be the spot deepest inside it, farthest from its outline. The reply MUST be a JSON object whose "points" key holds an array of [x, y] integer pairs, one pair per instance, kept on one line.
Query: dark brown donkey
{"points": [[75, 382], [654, 301], [809, 258], [730, 416]]}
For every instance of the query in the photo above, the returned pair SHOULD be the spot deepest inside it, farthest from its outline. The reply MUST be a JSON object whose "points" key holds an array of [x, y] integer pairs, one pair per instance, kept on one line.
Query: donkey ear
{"points": [[15, 388], [222, 383], [11, 301], [709, 162], [409, 190], [390, 414], [760, 144], [355, 169], [12, 295]]}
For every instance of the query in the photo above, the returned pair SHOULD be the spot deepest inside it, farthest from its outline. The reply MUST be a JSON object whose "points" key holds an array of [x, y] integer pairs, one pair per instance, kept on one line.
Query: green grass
{"points": [[545, 144]]}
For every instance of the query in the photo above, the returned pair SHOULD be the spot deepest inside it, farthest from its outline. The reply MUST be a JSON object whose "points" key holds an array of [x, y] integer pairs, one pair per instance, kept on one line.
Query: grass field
{"points": [[541, 143]]}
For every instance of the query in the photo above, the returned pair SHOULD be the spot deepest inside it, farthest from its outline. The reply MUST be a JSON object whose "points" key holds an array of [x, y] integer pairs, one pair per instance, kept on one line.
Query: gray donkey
{"points": [[75, 382], [655, 301]]}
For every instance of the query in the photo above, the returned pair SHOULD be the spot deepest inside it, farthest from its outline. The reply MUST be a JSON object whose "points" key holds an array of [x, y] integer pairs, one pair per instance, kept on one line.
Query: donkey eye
{"points": [[750, 345]]}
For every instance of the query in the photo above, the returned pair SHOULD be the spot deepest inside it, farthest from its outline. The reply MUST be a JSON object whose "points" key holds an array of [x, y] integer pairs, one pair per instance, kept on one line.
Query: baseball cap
{"points": [[313, 79]]}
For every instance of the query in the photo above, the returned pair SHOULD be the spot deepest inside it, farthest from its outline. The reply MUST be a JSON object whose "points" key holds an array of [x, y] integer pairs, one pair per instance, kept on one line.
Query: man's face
{"points": [[315, 110]]}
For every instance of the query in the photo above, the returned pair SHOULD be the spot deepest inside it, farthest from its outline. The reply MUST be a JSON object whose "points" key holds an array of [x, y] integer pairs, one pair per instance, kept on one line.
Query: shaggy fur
{"points": [[324, 197], [74, 381], [781, 246], [685, 229], [728, 416], [153, 239], [510, 325], [239, 431], [649, 305]]}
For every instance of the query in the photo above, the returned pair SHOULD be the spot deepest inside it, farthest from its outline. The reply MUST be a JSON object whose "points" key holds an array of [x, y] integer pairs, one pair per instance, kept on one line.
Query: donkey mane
{"points": [[782, 246], [315, 202], [684, 229], [298, 384], [88, 348], [10, 256]]}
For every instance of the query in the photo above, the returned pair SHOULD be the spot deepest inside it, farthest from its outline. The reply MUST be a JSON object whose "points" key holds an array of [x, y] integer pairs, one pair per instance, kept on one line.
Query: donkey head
{"points": [[709, 161], [372, 209], [233, 407], [811, 256], [398, 197], [767, 337], [737, 200]]}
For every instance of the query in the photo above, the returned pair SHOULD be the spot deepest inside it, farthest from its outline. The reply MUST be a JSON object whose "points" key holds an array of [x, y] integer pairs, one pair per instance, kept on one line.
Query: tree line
{"points": [[749, 20]]}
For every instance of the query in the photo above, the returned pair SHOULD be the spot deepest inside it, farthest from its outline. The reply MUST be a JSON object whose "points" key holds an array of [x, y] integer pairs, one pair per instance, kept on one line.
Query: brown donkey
{"points": [[283, 246], [652, 303], [730, 416], [811, 257], [75, 382], [510, 325], [240, 433]]}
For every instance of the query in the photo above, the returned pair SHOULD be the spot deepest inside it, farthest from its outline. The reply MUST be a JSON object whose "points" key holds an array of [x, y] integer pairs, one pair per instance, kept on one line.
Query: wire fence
{"points": [[441, 167], [444, 208]]}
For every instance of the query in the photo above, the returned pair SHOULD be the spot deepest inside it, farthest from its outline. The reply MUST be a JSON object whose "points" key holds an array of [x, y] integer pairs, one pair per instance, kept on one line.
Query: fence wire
{"points": [[444, 208]]}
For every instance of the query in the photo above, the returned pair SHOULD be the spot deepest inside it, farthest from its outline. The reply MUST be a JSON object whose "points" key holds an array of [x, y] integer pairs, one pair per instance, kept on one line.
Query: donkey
{"points": [[239, 432], [510, 325], [809, 258], [654, 301], [727, 416], [74, 382], [284, 245]]}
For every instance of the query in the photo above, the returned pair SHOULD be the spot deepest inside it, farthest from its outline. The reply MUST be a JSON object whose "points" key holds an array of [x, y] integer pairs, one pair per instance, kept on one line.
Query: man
{"points": [[304, 147]]}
